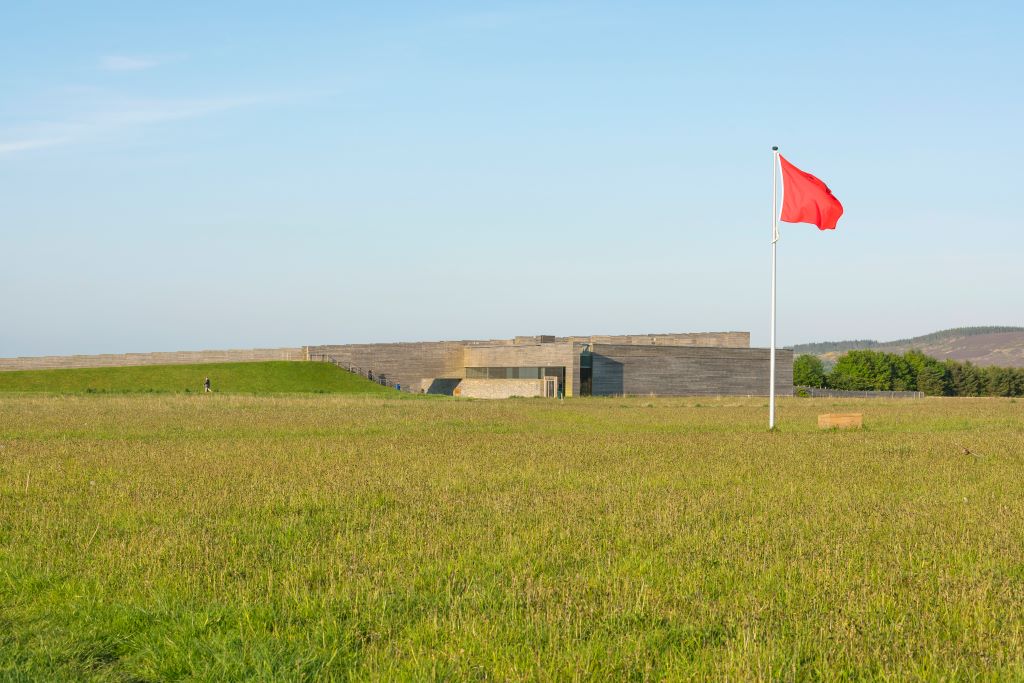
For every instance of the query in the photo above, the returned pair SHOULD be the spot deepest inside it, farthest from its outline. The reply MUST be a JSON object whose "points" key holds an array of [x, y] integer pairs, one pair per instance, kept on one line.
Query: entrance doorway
{"points": [[586, 372], [550, 387], [586, 381]]}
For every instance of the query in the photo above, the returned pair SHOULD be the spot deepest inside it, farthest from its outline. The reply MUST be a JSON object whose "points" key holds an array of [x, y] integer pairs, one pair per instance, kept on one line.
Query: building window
{"points": [[516, 373]]}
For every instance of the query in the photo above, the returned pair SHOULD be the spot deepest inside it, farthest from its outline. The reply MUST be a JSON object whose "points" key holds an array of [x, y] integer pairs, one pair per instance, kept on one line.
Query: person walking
{"points": [[206, 385]]}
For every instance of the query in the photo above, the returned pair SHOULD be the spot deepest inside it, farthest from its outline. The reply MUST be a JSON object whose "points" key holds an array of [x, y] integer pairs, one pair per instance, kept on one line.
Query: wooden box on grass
{"points": [[841, 421]]}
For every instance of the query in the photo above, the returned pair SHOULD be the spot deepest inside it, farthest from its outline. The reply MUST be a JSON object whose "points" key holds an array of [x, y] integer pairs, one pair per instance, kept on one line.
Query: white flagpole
{"points": [[775, 239]]}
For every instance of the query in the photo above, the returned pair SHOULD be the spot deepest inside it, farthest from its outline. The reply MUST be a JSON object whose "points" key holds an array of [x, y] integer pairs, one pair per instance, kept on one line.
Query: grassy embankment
{"points": [[246, 378], [290, 537]]}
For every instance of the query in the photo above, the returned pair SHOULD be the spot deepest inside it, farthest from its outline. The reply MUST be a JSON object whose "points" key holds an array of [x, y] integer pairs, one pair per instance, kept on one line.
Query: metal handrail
{"points": [[381, 379]]}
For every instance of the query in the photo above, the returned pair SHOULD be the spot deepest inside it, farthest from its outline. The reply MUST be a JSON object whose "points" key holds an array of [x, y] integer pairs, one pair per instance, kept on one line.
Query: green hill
{"points": [[242, 378]]}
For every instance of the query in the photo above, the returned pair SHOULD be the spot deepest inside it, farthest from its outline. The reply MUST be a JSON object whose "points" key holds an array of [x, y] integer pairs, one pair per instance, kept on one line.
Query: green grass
{"points": [[248, 378], [335, 537]]}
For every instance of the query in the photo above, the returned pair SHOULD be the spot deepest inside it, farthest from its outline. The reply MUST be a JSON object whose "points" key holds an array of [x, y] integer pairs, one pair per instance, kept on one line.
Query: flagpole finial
{"points": [[775, 148]]}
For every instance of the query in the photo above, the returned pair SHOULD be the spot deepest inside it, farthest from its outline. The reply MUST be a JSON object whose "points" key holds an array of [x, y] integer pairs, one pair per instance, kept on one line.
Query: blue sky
{"points": [[184, 176]]}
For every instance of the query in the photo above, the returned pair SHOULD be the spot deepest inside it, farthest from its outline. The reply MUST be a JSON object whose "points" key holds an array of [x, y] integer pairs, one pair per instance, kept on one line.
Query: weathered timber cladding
{"points": [[522, 355], [572, 375], [555, 354], [113, 360], [732, 340], [404, 363], [688, 371]]}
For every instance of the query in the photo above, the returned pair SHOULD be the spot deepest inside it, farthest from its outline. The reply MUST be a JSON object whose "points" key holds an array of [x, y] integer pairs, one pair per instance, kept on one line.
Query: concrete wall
{"points": [[442, 386], [112, 360], [499, 388], [688, 371], [407, 364]]}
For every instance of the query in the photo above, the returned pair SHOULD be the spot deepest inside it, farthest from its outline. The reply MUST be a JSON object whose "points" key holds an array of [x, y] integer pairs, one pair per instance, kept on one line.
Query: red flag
{"points": [[805, 199]]}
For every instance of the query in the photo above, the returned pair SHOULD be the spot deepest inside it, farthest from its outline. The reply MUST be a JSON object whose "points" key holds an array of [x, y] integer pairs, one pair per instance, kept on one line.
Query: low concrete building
{"points": [[691, 364]]}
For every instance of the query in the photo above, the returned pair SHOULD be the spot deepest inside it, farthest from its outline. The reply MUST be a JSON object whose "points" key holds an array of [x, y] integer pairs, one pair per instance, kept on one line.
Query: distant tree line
{"points": [[866, 370]]}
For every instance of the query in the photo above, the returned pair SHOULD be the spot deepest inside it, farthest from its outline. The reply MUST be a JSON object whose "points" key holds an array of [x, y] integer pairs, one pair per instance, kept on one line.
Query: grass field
{"points": [[251, 378], [157, 537]]}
